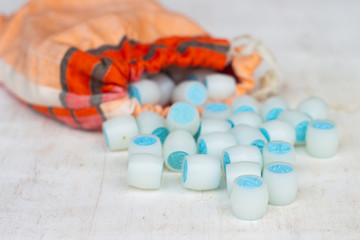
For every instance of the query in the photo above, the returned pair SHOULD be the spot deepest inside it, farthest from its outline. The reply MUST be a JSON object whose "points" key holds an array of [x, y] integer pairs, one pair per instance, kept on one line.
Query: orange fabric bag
{"points": [[73, 60]]}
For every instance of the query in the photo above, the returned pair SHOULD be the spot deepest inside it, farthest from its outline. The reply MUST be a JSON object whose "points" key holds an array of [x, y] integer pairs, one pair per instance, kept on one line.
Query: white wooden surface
{"points": [[60, 183]]}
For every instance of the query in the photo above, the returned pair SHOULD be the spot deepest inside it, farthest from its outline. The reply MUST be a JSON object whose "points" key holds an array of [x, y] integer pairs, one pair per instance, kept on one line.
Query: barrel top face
{"points": [[145, 140], [323, 125], [259, 143], [182, 113], [226, 160], [176, 159], [184, 172], [202, 147], [244, 108], [196, 94], [192, 77], [161, 133], [280, 168], [300, 130], [279, 148], [265, 133], [197, 134], [273, 114], [106, 138], [249, 182], [134, 93], [216, 107]]}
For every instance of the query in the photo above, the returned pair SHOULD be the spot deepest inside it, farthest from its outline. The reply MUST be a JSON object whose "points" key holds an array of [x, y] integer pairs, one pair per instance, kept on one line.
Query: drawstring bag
{"points": [[73, 60]]}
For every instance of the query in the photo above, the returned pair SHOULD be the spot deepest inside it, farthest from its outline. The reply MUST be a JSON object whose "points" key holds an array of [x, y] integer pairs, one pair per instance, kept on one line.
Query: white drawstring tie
{"points": [[272, 80]]}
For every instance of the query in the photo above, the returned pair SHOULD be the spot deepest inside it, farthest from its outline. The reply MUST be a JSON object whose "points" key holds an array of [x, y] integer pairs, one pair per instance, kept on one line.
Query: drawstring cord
{"points": [[272, 80]]}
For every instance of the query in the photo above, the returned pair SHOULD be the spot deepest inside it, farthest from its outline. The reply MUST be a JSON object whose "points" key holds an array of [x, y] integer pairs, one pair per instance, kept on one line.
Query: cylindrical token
{"points": [[118, 132], [213, 144], [220, 86], [277, 151], [176, 146], [144, 171], [201, 172], [150, 122], [315, 107], [166, 85], [249, 198], [278, 130], [241, 153], [299, 121], [216, 110], [183, 116], [199, 74], [248, 118], [245, 134], [145, 91], [281, 180], [190, 92], [237, 169], [272, 107], [145, 143], [245, 104], [211, 125], [322, 139]]}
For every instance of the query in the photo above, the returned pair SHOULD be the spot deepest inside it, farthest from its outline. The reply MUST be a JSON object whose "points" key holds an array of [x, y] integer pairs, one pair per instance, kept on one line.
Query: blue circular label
{"points": [[161, 133], [184, 171], [300, 130], [273, 114], [280, 168], [226, 160], [323, 125], [231, 123], [176, 159], [106, 138], [134, 93], [249, 182], [202, 147], [191, 77], [258, 143], [279, 148], [265, 133], [197, 134], [196, 95], [216, 107], [244, 108], [144, 140], [182, 113]]}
